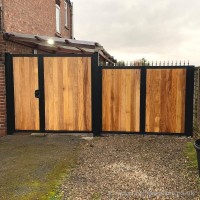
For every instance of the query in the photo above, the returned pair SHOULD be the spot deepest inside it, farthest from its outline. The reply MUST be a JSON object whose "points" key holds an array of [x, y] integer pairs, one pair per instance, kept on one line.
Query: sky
{"points": [[157, 30]]}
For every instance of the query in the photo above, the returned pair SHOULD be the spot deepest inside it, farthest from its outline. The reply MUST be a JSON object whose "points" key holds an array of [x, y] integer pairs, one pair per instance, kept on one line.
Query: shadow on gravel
{"points": [[33, 167]]}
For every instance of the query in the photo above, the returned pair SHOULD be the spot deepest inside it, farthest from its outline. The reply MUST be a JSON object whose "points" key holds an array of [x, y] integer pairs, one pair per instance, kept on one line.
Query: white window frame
{"points": [[66, 14], [58, 19]]}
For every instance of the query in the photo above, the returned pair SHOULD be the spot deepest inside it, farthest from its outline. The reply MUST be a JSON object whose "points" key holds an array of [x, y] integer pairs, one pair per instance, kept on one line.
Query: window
{"points": [[58, 18], [66, 14], [35, 51]]}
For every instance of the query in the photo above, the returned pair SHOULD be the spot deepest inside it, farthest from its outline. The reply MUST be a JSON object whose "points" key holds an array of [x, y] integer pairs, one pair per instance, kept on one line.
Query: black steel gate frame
{"points": [[188, 98], [96, 91]]}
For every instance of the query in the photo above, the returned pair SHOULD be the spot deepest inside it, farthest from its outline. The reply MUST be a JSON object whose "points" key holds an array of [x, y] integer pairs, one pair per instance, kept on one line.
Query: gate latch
{"points": [[37, 94]]}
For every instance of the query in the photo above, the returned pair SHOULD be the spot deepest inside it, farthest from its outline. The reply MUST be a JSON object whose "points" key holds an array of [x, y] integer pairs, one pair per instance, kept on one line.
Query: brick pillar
{"points": [[3, 125]]}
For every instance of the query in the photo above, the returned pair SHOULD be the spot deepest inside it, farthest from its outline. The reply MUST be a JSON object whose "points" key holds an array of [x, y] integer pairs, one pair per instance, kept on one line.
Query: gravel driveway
{"points": [[133, 167], [32, 167]]}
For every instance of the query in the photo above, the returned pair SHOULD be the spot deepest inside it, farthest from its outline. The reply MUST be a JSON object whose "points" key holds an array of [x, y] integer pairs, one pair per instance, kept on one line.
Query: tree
{"points": [[121, 63], [140, 62]]}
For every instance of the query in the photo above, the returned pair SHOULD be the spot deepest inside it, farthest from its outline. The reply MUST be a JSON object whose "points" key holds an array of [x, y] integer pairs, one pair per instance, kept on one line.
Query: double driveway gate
{"points": [[71, 93]]}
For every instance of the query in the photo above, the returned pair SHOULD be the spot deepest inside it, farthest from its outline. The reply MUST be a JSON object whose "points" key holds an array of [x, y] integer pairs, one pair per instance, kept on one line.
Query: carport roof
{"points": [[61, 45]]}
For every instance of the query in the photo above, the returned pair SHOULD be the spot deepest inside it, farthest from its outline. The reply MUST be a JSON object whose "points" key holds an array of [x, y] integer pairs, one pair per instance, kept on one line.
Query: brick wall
{"points": [[14, 48], [1, 16], [34, 17], [2, 89], [2, 101]]}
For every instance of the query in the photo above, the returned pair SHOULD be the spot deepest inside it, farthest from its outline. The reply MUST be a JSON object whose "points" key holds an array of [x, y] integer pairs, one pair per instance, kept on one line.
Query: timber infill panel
{"points": [[121, 100], [67, 84], [25, 74], [165, 100]]}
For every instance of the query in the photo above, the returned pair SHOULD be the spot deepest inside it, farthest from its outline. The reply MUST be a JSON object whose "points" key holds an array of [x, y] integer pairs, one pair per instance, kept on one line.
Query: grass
{"points": [[96, 196], [34, 168], [50, 188], [190, 153]]}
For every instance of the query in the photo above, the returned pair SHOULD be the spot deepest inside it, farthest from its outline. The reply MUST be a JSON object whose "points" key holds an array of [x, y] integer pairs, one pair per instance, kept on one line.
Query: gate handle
{"points": [[37, 93]]}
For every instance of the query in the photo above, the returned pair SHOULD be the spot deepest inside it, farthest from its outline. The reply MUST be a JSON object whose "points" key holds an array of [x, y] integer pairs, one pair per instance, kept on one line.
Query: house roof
{"points": [[61, 45]]}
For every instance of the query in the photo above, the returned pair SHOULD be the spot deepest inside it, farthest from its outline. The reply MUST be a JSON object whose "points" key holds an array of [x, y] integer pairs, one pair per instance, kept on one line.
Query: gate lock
{"points": [[37, 94]]}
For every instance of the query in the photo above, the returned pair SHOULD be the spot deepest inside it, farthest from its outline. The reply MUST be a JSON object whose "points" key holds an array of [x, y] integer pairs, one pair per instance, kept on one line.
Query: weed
{"points": [[96, 196], [190, 153]]}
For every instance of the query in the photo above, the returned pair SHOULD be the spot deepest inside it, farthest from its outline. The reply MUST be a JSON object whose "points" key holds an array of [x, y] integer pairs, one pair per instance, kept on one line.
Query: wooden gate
{"points": [[147, 99], [49, 93]]}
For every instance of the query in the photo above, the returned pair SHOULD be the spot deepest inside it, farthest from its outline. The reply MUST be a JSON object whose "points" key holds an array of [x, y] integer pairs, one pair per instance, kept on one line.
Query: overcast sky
{"points": [[132, 29]]}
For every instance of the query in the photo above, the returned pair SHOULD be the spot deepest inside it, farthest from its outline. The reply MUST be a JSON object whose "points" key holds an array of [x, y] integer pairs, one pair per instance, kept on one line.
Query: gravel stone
{"points": [[133, 167]]}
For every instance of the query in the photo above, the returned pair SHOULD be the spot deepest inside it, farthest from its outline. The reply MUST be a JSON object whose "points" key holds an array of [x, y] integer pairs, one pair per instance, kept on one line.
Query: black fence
{"points": [[196, 111]]}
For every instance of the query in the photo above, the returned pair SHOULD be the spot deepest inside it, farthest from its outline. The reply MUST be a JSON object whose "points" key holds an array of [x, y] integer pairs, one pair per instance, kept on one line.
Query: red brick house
{"points": [[34, 27]]}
